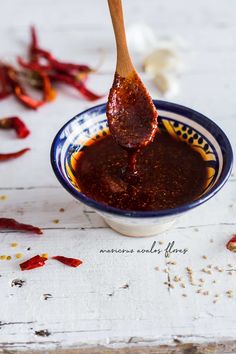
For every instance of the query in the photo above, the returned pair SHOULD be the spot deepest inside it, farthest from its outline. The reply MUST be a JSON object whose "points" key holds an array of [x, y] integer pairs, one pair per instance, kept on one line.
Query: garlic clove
{"points": [[161, 60]]}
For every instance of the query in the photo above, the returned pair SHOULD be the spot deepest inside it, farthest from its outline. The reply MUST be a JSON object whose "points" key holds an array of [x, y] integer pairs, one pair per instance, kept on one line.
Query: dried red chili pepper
{"points": [[19, 91], [72, 262], [17, 124], [49, 93], [12, 224], [231, 244], [13, 155], [4, 83], [34, 262], [69, 80]]}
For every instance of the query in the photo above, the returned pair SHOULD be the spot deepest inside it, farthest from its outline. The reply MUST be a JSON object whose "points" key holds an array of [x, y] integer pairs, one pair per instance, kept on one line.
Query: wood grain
{"points": [[91, 309]]}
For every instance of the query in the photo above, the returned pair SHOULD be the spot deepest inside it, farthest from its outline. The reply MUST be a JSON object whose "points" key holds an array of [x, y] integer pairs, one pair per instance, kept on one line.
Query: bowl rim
{"points": [[162, 105]]}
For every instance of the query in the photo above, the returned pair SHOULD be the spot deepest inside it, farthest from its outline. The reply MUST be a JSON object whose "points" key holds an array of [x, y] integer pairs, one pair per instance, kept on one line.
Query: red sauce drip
{"points": [[169, 174]]}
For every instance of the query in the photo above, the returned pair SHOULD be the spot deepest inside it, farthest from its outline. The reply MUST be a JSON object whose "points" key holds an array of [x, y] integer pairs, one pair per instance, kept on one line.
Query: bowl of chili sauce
{"points": [[187, 163]]}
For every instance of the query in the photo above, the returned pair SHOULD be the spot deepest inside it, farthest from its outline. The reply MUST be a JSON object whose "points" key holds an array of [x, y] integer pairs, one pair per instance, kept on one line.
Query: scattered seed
{"points": [[214, 301], [165, 270], [61, 210], [14, 244], [229, 292], [230, 295], [157, 268], [230, 265], [192, 283], [19, 255], [18, 283], [205, 293], [125, 286], [189, 269], [196, 229], [184, 295], [199, 291], [230, 273], [211, 240], [214, 281], [207, 271], [176, 278], [160, 242], [56, 221], [204, 257], [182, 285], [209, 266], [171, 263], [217, 295], [3, 197], [8, 258], [202, 280]]}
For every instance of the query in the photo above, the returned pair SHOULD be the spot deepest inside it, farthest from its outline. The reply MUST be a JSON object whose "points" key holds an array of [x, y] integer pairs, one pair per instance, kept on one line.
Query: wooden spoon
{"points": [[132, 116]]}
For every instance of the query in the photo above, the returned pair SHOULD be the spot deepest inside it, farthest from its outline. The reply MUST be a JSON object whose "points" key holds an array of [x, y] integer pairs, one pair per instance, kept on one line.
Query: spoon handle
{"points": [[124, 64]]}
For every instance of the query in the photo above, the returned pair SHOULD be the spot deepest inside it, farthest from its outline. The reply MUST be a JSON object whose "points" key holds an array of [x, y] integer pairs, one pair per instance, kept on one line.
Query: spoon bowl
{"points": [[132, 116]]}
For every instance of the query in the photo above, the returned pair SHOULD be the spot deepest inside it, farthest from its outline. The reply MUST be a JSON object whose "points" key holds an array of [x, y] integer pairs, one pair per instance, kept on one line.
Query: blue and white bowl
{"points": [[182, 123]]}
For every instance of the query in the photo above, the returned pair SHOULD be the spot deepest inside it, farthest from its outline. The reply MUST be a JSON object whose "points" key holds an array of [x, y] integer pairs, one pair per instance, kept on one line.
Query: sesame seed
{"points": [[204, 257], [19, 255], [14, 244], [171, 263], [44, 255], [205, 293], [3, 197], [176, 278], [184, 295], [8, 258], [56, 221], [157, 268], [182, 285], [229, 291], [204, 270]]}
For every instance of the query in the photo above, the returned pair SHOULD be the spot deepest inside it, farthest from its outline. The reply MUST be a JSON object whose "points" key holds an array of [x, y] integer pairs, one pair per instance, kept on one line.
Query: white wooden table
{"points": [[115, 301]]}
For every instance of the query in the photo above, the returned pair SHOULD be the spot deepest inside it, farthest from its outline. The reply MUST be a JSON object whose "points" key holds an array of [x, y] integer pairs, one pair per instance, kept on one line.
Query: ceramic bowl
{"points": [[181, 122]]}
